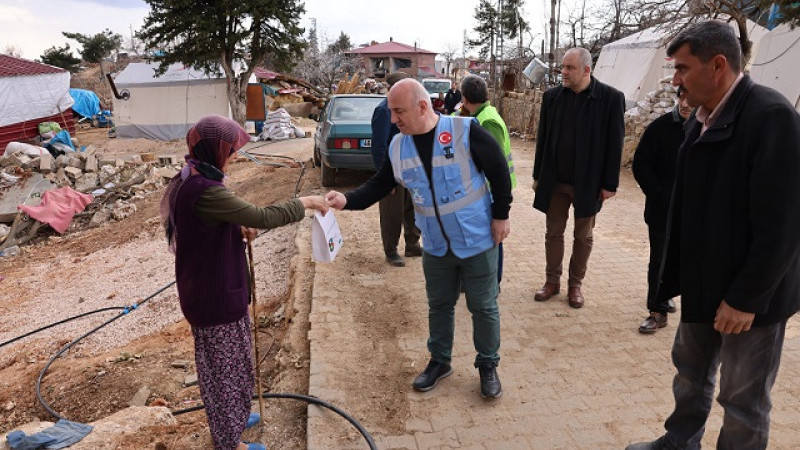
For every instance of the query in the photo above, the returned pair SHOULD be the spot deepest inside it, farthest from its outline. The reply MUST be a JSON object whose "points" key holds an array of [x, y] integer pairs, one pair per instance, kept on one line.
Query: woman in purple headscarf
{"points": [[205, 225]]}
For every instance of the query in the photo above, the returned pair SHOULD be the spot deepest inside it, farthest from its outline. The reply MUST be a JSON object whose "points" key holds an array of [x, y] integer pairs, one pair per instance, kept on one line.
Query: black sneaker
{"points": [[431, 375], [490, 382]]}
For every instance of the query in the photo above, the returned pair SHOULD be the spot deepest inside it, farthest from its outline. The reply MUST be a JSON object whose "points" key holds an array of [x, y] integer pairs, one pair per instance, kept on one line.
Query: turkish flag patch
{"points": [[445, 137]]}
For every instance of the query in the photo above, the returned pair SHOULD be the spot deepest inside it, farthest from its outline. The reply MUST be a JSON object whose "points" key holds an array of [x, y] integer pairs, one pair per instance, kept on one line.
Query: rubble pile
{"points": [[113, 183], [281, 90], [656, 104]]}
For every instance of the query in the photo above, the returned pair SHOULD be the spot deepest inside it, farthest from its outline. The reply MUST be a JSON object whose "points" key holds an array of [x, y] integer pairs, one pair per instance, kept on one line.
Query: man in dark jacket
{"points": [[733, 242], [578, 152], [396, 210], [654, 170], [451, 99]]}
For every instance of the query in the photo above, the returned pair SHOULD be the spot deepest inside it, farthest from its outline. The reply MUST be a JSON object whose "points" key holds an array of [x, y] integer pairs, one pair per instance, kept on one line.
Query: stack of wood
{"points": [[353, 86], [290, 90]]}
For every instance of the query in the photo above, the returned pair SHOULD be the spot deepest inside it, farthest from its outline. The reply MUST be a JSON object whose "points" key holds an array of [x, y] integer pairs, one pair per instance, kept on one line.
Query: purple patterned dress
{"points": [[223, 356]]}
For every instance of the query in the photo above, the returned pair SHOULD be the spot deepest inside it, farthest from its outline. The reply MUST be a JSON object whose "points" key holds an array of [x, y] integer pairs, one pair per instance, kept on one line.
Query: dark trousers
{"points": [[749, 364], [657, 239], [397, 212], [478, 275]]}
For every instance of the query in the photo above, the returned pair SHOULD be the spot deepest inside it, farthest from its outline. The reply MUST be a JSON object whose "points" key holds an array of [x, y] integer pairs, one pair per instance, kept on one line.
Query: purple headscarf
{"points": [[211, 141]]}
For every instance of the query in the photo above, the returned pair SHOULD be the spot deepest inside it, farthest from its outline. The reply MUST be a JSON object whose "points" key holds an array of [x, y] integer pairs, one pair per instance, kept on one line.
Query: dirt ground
{"points": [[92, 381]]}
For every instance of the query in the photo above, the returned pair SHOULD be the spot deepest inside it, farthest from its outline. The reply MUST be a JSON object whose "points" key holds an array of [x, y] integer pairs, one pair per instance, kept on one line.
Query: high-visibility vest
{"points": [[490, 112], [453, 210]]}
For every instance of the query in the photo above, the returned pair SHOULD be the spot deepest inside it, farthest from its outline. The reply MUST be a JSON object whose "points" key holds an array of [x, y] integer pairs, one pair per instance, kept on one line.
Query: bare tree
{"points": [[449, 55], [12, 50]]}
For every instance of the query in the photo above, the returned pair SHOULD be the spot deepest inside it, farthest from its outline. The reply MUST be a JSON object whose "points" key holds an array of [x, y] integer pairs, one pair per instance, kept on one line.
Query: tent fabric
{"points": [[777, 62], [26, 98], [165, 107], [636, 63], [87, 103]]}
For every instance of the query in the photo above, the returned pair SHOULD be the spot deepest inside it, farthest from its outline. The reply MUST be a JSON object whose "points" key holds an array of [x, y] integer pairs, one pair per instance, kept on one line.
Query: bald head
{"points": [[576, 69], [411, 108]]}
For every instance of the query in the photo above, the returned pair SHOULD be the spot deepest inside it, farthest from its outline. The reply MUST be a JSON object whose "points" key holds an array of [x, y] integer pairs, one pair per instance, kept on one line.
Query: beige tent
{"points": [[165, 107], [777, 63], [636, 63]]}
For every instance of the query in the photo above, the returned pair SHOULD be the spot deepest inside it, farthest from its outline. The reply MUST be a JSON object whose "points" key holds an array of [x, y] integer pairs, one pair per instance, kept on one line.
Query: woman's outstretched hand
{"points": [[315, 202]]}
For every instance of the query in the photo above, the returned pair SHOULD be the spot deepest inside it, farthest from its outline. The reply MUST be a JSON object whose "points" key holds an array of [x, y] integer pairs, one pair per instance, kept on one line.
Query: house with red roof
{"points": [[31, 93], [379, 60]]}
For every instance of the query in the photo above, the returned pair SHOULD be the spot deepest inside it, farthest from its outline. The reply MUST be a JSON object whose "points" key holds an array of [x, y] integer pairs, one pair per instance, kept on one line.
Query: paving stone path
{"points": [[572, 379]]}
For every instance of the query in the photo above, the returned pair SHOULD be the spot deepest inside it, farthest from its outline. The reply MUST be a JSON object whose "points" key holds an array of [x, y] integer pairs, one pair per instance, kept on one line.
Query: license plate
{"points": [[366, 143]]}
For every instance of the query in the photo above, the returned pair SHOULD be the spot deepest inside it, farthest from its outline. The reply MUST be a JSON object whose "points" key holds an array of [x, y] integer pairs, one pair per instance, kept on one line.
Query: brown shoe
{"points": [[545, 292], [653, 322], [574, 297], [413, 251]]}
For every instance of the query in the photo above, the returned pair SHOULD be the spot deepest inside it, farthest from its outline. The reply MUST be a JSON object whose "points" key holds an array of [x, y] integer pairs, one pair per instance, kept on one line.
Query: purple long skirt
{"points": [[223, 356]]}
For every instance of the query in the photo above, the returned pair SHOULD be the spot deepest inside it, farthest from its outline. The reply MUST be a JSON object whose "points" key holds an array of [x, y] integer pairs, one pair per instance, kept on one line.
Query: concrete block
{"points": [[167, 160], [90, 150], [86, 182], [62, 161], [190, 380], [91, 164], [73, 172], [140, 398], [28, 191], [136, 159], [73, 161], [46, 163]]}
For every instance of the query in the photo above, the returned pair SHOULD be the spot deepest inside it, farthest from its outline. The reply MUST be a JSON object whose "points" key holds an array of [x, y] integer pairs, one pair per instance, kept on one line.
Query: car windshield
{"points": [[353, 108], [434, 87]]}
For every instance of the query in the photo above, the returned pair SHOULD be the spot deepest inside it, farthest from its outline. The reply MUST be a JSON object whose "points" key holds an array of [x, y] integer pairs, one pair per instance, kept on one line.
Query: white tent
{"points": [[165, 107], [635, 64], [777, 63], [30, 93]]}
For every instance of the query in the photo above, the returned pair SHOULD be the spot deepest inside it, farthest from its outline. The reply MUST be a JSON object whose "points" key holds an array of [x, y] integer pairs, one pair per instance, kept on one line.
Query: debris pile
{"points": [[27, 171], [281, 90], [656, 104]]}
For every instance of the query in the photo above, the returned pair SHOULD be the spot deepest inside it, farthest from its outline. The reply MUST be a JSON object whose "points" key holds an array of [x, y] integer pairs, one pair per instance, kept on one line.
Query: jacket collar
{"points": [[595, 88], [722, 128]]}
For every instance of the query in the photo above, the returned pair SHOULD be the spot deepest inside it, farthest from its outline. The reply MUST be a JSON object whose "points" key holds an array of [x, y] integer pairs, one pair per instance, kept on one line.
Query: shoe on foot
{"points": [[575, 297], [490, 382], [255, 446], [431, 375], [546, 292], [413, 250], [671, 307], [253, 420], [653, 322], [658, 444], [395, 259]]}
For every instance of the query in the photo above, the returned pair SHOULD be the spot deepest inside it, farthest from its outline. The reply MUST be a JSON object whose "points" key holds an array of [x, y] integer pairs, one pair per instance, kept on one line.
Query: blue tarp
{"points": [[87, 103]]}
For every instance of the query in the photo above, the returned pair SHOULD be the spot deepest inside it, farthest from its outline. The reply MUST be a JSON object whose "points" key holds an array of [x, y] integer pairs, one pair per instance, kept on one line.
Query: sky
{"points": [[436, 25]]}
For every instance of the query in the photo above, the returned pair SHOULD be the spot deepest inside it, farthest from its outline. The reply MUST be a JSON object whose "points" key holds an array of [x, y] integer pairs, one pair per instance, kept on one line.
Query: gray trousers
{"points": [[749, 364]]}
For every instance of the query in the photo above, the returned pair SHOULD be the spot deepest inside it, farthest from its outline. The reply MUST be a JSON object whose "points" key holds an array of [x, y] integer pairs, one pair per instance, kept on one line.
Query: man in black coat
{"points": [[733, 242], [654, 170], [578, 152], [396, 210], [451, 99]]}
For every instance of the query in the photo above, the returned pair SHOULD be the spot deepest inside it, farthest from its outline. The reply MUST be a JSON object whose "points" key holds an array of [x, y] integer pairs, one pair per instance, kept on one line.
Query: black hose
{"points": [[124, 312], [305, 398], [30, 333]]}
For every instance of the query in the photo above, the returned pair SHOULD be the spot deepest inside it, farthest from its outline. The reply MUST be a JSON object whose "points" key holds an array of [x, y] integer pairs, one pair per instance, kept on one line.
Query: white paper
{"points": [[326, 237]]}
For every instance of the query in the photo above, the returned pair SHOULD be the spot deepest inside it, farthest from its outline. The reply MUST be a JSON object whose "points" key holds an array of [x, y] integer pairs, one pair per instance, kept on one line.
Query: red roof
{"points": [[15, 67], [389, 47]]}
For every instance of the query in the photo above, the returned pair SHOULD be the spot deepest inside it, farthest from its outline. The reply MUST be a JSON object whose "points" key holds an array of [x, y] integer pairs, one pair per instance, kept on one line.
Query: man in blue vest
{"points": [[445, 162]]}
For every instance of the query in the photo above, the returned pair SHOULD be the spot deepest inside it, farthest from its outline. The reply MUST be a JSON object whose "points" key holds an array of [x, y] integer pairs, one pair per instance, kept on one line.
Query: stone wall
{"points": [[520, 111]]}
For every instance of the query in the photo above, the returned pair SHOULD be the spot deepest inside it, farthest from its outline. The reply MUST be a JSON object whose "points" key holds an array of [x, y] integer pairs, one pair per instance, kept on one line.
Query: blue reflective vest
{"points": [[458, 196]]}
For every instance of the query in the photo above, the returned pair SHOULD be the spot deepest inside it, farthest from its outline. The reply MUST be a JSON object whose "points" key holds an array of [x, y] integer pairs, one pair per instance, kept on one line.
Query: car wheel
{"points": [[328, 174]]}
